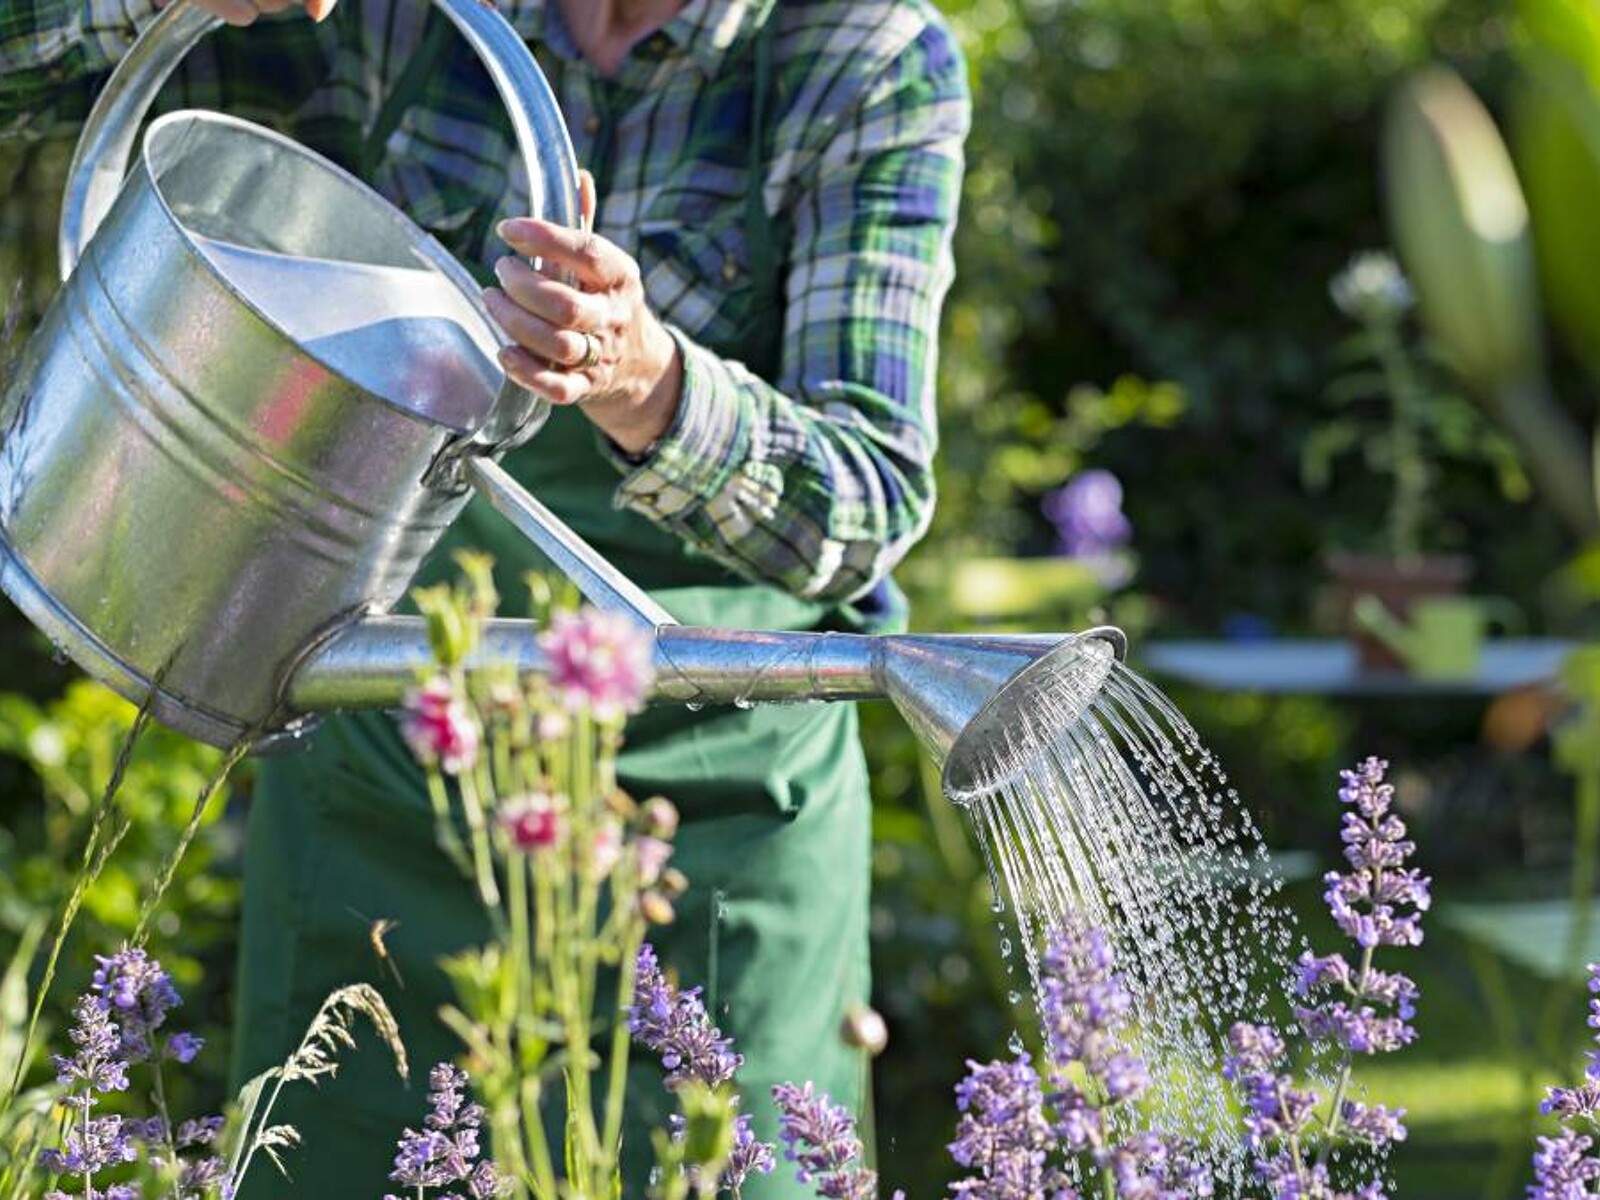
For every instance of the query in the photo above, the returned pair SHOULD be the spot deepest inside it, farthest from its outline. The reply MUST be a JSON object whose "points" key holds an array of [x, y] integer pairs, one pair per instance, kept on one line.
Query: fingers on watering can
{"points": [[563, 347], [558, 387], [235, 12], [588, 198], [561, 305], [596, 262]]}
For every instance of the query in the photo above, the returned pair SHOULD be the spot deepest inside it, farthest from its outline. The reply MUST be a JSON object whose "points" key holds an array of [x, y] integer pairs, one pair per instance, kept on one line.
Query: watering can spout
{"points": [[962, 694]]}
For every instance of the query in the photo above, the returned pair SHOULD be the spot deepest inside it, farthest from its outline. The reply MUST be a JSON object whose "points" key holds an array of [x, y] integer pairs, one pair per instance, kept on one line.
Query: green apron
{"points": [[775, 842]]}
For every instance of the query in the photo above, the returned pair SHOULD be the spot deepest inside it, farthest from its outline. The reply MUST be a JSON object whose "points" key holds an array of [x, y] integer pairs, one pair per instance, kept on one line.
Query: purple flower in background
{"points": [[820, 1138], [1090, 525], [1002, 1138], [600, 661], [674, 1024], [446, 1151]]}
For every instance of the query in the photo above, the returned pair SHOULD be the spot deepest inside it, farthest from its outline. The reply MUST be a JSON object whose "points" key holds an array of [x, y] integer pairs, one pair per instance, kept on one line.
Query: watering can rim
{"points": [[428, 248]]}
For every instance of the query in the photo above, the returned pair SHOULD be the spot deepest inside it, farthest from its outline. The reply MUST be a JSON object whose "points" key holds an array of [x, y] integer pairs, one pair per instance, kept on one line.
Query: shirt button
{"points": [[591, 124], [730, 270]]}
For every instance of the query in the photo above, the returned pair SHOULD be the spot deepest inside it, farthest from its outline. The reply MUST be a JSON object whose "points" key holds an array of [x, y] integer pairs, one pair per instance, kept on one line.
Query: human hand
{"points": [[245, 12], [583, 331]]}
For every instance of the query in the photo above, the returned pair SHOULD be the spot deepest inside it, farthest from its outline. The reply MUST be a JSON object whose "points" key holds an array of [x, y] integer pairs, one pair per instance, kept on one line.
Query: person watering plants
{"points": [[741, 356]]}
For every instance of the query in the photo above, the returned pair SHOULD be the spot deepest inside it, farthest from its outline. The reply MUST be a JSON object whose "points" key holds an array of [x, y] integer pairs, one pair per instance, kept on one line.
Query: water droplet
{"points": [[694, 705], [1014, 1043], [655, 1176], [1014, 996], [744, 703], [58, 654], [1005, 947], [998, 906]]}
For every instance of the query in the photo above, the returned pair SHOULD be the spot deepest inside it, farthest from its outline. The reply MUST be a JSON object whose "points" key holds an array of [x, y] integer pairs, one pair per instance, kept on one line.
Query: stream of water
{"points": [[1099, 799]]}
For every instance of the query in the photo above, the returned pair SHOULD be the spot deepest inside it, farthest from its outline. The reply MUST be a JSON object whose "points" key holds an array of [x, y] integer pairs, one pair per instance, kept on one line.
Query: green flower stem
{"points": [[1347, 1060], [444, 826], [482, 854], [1406, 397], [621, 1037]]}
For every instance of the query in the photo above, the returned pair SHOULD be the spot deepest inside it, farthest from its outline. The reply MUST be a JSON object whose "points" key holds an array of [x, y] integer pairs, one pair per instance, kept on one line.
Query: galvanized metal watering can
{"points": [[263, 393]]}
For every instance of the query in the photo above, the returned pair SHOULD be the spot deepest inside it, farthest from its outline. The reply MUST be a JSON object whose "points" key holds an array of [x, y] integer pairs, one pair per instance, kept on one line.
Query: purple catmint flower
{"points": [[439, 727], [1373, 1123], [1563, 1167], [1148, 1166], [445, 1152], [97, 1066], [91, 1145], [1087, 514], [749, 1156], [184, 1046], [820, 1138], [673, 1022], [1002, 1138], [599, 661]]}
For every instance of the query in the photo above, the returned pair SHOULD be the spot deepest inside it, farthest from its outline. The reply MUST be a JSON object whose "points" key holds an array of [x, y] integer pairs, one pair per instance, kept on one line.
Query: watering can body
{"points": [[229, 437]]}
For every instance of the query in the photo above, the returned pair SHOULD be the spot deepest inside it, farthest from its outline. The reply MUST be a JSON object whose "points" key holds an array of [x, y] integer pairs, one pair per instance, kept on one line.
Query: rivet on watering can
{"points": [[730, 270]]}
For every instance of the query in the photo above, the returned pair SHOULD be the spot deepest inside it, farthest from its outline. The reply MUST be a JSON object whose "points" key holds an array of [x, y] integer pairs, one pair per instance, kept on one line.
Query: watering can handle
{"points": [[106, 143]]}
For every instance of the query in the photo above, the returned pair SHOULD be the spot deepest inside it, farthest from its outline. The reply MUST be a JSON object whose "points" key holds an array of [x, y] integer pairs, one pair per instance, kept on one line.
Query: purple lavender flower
{"points": [[1373, 1123], [673, 1022], [1150, 1167], [1087, 514], [446, 1150], [819, 1137], [1563, 1168], [97, 1066], [1090, 525], [749, 1156], [141, 995], [91, 1145], [1357, 1008], [1002, 1138]]}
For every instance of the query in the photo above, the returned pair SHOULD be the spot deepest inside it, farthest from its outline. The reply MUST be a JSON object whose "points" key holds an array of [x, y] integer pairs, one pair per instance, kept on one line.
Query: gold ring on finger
{"points": [[591, 353]]}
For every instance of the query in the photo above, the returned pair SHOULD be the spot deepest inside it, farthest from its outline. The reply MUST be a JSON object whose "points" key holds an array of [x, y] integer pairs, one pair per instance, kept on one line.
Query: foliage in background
{"points": [[70, 745]]}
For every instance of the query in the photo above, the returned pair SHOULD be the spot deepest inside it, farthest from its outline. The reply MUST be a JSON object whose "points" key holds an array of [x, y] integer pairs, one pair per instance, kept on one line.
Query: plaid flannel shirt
{"points": [[819, 482]]}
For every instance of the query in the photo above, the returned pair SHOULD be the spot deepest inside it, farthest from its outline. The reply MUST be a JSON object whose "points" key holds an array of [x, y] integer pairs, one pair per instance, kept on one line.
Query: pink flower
{"points": [[653, 854], [599, 661], [532, 821], [439, 727], [606, 849]]}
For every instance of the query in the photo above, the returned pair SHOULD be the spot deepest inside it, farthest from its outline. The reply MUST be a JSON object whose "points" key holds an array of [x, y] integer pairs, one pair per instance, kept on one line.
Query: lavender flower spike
{"points": [[674, 1024], [1003, 1138], [819, 1137], [446, 1151]]}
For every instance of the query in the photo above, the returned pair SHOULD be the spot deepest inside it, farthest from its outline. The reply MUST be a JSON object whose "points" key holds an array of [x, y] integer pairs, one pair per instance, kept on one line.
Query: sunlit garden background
{"points": [[1159, 196]]}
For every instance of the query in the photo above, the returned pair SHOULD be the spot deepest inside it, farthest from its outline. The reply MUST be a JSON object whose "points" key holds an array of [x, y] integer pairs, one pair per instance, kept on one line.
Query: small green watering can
{"points": [[1442, 636]]}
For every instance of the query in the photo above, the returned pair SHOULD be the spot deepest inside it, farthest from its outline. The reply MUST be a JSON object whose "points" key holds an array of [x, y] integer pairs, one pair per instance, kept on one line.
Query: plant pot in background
{"points": [[1398, 583]]}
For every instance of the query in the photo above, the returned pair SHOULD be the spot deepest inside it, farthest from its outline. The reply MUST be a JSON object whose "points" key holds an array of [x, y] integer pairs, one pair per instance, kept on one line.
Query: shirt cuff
{"points": [[708, 438]]}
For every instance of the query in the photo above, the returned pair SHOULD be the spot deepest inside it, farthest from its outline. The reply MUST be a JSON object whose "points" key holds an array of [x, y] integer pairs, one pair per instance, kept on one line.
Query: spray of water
{"points": [[1093, 795]]}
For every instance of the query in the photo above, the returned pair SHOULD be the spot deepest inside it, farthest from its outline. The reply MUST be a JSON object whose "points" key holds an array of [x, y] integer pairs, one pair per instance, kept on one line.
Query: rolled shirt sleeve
{"points": [[50, 49], [822, 483]]}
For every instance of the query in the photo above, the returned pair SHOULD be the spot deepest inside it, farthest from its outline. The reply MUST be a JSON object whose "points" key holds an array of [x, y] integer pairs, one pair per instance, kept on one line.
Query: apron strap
{"points": [[760, 340]]}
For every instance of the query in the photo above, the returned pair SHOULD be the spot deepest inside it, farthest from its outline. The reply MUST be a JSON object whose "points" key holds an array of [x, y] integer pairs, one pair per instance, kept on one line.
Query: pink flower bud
{"points": [[653, 854], [439, 727], [532, 822], [605, 851]]}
